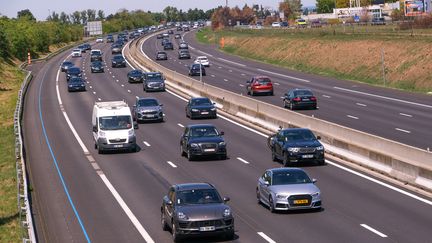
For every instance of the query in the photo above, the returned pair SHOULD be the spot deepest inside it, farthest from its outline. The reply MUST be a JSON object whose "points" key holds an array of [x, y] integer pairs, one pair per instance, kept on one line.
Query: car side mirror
{"points": [[314, 180], [319, 137], [222, 133], [161, 105], [167, 201], [135, 125], [226, 199], [94, 128]]}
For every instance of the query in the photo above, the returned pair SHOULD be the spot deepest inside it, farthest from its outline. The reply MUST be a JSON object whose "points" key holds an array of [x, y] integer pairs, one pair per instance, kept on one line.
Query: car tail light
{"points": [[313, 98], [255, 84], [296, 99]]}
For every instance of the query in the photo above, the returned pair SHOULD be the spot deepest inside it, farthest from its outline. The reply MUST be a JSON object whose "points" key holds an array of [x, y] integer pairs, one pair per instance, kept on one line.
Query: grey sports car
{"points": [[288, 189]]}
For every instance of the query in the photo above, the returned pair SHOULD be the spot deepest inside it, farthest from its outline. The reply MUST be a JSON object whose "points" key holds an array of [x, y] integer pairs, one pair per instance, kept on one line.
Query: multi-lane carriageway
{"points": [[79, 195]]}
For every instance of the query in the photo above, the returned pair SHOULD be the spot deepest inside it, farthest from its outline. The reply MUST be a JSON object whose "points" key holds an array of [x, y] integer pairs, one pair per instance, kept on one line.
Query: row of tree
{"points": [[327, 6], [172, 14]]}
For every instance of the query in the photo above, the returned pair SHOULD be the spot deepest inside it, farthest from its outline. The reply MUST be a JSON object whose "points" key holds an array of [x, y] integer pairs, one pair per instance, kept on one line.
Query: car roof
{"points": [[200, 98], [285, 169], [190, 186], [295, 129], [300, 89], [200, 125], [147, 98]]}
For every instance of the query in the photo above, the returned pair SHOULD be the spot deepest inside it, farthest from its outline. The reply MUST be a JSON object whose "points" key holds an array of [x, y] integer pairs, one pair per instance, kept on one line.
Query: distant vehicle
{"points": [[183, 45], [113, 127], [161, 55], [159, 36], [196, 209], [165, 35], [116, 48], [99, 40], [87, 46], [184, 54], [164, 41], [288, 189], [378, 21], [168, 46], [179, 28], [97, 67], [65, 65], [177, 36], [284, 24], [200, 107], [95, 55], [170, 32], [153, 81], [76, 53], [276, 24], [110, 39], [299, 98], [76, 84], [83, 48], [135, 76], [197, 70], [202, 140], [118, 61], [185, 28], [296, 145], [147, 109], [259, 85], [301, 23], [73, 72], [203, 60], [316, 23]]}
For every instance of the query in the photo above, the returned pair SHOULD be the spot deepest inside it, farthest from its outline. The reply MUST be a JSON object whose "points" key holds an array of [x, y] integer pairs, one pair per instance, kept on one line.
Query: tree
{"points": [[76, 17], [101, 15], [84, 17], [54, 17], [26, 14], [3, 43], [285, 8], [91, 15], [64, 18], [325, 6]]}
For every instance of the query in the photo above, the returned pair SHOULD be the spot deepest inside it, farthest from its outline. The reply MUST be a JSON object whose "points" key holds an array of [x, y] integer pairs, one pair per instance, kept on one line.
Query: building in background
{"points": [[417, 7]]}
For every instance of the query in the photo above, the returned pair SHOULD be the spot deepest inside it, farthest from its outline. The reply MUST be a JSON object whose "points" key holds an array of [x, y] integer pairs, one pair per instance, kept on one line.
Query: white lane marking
{"points": [[236, 63], [205, 53], [94, 92], [126, 209], [99, 99], [87, 82], [373, 230], [212, 76], [353, 117], [384, 97], [110, 72], [226, 80], [180, 62], [360, 104], [186, 65], [283, 75], [146, 144], [230, 71], [326, 96], [407, 115], [242, 160], [91, 87], [122, 85], [380, 183], [243, 74], [137, 97], [241, 85], [129, 91], [265, 237], [402, 130], [219, 67], [117, 80], [85, 78], [277, 84], [113, 76], [172, 164], [180, 125]]}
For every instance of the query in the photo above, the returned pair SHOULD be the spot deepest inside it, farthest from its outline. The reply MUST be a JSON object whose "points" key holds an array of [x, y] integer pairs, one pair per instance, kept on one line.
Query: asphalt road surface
{"points": [[79, 195]]}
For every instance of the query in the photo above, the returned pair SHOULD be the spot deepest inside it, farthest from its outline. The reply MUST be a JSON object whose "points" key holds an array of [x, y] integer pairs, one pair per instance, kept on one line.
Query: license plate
{"points": [[149, 116], [305, 99], [307, 156], [118, 145], [204, 113], [303, 201], [207, 228], [209, 150]]}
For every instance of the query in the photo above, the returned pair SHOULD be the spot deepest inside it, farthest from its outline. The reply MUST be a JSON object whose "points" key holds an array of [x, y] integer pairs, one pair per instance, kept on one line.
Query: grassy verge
{"points": [[354, 54]]}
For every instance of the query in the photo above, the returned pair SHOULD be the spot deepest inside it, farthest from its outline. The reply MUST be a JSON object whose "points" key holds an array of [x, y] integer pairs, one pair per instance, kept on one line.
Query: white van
{"points": [[113, 126]]}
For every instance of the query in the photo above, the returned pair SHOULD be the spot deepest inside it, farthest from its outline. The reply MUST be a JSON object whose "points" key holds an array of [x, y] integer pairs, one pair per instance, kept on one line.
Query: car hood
{"points": [[154, 80], [303, 144], [294, 189], [204, 211], [217, 139], [149, 108]]}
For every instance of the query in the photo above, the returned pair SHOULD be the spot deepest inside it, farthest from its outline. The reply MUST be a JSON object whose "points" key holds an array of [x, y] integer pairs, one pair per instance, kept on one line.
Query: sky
{"points": [[42, 8]]}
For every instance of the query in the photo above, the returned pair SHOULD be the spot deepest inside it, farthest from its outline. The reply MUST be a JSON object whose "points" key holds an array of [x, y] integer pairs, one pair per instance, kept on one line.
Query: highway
{"points": [[79, 195], [392, 114]]}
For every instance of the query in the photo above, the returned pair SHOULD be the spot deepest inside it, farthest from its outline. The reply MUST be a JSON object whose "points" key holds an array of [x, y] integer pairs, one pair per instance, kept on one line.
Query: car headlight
{"points": [[294, 150], [315, 195], [280, 196], [101, 134], [131, 132], [195, 110], [82, 85], [194, 145], [320, 148], [222, 144], [227, 212], [182, 216]]}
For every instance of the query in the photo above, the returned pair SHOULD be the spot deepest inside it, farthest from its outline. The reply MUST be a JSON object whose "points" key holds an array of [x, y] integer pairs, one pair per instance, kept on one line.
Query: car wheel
{"points": [[163, 222], [321, 162], [273, 155], [285, 104], [271, 205], [258, 195], [271, 93], [252, 93], [229, 235], [100, 150], [190, 157], [175, 235], [286, 160]]}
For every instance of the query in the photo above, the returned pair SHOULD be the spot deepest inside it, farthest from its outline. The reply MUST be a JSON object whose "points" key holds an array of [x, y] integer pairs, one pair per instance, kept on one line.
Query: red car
{"points": [[259, 85]]}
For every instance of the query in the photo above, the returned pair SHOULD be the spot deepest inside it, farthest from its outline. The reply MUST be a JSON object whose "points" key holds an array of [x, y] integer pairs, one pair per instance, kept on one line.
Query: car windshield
{"points": [[299, 135], [303, 93], [74, 70], [201, 102], [199, 196], [118, 58], [136, 72], [154, 76], [290, 177], [263, 81], [115, 122], [75, 80], [67, 63], [147, 102], [77, 50], [96, 63], [204, 132]]}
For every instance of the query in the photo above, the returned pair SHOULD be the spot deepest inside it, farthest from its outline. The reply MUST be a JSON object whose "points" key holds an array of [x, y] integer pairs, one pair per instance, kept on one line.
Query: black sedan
{"points": [[168, 46], [161, 55], [118, 61], [202, 140], [135, 76], [194, 70], [200, 107], [184, 54], [299, 98], [65, 65], [76, 84], [196, 209], [97, 67], [73, 72]]}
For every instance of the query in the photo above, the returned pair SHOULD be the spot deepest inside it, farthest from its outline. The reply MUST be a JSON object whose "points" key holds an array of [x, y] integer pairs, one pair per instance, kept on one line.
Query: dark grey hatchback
{"points": [[200, 107], [196, 209]]}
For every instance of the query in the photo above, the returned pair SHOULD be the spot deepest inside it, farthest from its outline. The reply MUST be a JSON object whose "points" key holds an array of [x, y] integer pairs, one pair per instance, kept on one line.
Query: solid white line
{"points": [[230, 71], [180, 125], [373, 230], [226, 80], [212, 76], [122, 85], [241, 85], [172, 164], [384, 97], [110, 72], [126, 209], [117, 80], [277, 84], [146, 144], [91, 87], [407, 115], [380, 183], [283, 75], [326, 96], [94, 92], [242, 160], [243, 126], [402, 130], [360, 104], [236, 63], [265, 237], [353, 117]]}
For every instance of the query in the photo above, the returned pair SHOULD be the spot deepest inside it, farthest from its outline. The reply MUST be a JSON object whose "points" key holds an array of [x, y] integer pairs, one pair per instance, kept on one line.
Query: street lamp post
{"points": [[200, 71]]}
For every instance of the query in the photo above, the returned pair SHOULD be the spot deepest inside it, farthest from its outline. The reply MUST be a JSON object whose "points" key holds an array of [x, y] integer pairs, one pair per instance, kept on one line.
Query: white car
{"points": [[276, 24], [76, 53], [203, 60], [99, 40]]}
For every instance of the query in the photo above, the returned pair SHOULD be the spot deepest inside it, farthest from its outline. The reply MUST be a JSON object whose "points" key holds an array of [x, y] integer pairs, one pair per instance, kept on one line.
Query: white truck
{"points": [[113, 126]]}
